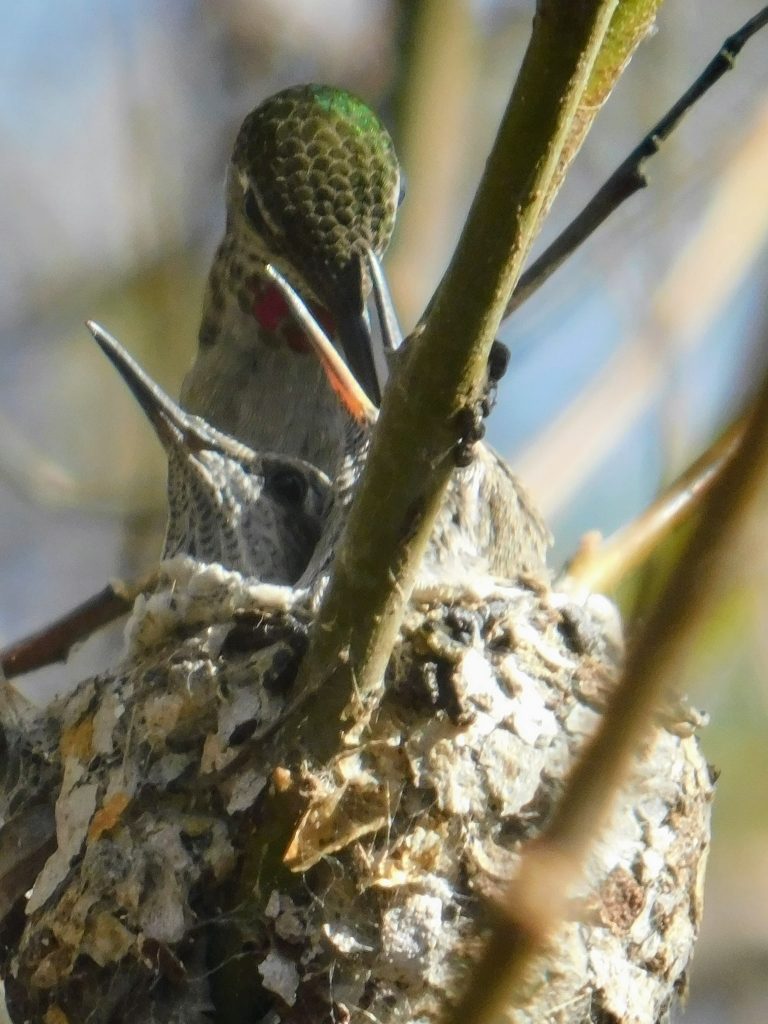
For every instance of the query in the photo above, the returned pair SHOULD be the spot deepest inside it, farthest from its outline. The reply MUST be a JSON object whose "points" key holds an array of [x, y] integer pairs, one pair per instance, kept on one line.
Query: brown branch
{"points": [[54, 642]]}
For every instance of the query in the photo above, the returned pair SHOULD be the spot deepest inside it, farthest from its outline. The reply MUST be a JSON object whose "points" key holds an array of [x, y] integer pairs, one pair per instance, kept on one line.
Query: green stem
{"points": [[442, 373]]}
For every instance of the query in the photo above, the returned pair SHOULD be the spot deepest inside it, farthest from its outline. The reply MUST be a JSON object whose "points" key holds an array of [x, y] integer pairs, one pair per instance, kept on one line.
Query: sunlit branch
{"points": [[629, 177]]}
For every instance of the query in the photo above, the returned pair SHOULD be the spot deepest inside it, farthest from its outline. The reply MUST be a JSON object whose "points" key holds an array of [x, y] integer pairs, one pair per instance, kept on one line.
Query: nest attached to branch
{"points": [[159, 772]]}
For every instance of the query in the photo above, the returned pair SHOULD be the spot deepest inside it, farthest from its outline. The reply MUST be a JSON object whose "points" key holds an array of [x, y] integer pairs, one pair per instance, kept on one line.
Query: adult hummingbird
{"points": [[257, 513], [313, 183]]}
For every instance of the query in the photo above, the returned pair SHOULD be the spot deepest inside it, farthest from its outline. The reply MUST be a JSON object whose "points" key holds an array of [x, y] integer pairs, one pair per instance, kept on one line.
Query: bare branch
{"points": [[54, 642], [629, 177]]}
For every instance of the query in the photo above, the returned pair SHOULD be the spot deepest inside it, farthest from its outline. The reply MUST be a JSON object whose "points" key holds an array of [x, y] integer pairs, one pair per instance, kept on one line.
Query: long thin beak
{"points": [[354, 333], [389, 326], [366, 353], [344, 383], [365, 358], [172, 425]]}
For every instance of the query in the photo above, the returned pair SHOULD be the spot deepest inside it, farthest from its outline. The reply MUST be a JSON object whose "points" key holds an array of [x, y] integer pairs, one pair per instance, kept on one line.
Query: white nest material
{"points": [[405, 834]]}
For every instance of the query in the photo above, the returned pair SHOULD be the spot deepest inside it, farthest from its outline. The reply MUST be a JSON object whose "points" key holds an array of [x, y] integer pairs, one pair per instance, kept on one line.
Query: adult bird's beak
{"points": [[389, 326], [367, 352], [341, 378], [365, 358]]}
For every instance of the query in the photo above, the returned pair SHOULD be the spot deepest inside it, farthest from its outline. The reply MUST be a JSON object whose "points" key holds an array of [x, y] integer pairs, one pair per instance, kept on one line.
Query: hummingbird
{"points": [[257, 513], [313, 188], [312, 185], [487, 523]]}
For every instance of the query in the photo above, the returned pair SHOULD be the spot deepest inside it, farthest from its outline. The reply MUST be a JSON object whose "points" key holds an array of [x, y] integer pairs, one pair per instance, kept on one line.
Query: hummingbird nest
{"points": [[161, 770]]}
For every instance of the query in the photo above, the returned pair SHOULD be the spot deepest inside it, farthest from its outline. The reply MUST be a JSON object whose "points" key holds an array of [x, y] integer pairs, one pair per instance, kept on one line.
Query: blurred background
{"points": [[116, 120]]}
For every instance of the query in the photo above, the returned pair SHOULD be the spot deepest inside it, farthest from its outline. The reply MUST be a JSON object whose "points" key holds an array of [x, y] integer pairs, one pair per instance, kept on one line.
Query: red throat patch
{"points": [[272, 313], [269, 307]]}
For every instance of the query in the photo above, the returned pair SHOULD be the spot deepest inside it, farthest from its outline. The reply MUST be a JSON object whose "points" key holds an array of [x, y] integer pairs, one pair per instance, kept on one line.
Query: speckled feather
{"points": [[257, 513], [238, 513]]}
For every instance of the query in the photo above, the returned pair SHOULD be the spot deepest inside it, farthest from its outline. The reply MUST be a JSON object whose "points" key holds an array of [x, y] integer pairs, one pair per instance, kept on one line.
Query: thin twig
{"points": [[537, 900], [53, 642], [629, 177], [703, 279], [601, 566]]}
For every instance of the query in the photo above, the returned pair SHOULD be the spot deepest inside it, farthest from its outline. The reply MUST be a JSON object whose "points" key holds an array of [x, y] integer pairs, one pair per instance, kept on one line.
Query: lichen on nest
{"points": [[161, 779]]}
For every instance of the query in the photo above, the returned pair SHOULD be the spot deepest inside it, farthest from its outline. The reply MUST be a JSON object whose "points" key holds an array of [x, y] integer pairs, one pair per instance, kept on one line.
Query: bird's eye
{"points": [[253, 213], [288, 486]]}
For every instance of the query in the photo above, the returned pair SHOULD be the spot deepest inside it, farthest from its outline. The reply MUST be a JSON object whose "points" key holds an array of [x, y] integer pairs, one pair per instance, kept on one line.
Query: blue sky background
{"points": [[116, 119]]}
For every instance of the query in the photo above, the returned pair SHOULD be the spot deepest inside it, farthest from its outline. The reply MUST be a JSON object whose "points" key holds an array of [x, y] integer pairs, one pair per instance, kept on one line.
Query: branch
{"points": [[441, 374], [54, 642], [629, 177], [600, 567]]}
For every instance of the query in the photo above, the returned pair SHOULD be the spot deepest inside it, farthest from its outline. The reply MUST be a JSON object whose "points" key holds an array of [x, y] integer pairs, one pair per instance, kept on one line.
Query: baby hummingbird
{"points": [[257, 513]]}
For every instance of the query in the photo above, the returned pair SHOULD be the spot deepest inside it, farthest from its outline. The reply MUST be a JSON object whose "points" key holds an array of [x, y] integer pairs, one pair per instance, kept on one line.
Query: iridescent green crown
{"points": [[325, 178]]}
